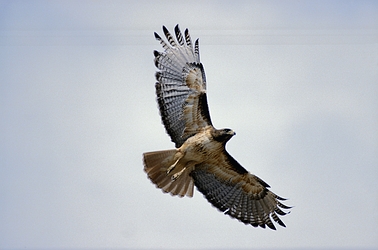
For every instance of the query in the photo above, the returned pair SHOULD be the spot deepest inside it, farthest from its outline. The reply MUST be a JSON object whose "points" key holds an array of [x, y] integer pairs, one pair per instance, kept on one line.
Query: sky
{"points": [[296, 80]]}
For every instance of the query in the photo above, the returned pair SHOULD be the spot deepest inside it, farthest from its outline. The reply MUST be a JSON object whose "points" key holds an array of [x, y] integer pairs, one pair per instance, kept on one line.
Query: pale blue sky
{"points": [[297, 81]]}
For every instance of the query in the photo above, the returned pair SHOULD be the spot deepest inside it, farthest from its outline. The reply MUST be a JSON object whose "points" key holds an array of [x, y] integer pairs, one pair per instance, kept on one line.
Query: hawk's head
{"points": [[223, 135]]}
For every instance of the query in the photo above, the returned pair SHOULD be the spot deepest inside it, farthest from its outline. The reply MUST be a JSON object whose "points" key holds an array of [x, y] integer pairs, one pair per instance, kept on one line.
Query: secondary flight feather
{"points": [[200, 158]]}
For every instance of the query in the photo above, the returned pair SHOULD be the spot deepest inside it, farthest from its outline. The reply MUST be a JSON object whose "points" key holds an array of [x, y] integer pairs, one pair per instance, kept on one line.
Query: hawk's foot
{"points": [[177, 175]]}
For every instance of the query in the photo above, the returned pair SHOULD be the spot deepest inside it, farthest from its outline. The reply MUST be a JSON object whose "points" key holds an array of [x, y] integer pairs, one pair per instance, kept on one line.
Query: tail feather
{"points": [[156, 164]]}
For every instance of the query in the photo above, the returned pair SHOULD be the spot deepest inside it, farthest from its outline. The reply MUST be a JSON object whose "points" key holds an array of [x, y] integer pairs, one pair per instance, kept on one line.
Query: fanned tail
{"points": [[156, 165]]}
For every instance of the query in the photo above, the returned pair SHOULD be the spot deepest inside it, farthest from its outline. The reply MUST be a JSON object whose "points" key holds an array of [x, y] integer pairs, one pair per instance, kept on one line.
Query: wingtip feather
{"points": [[157, 36], [177, 28]]}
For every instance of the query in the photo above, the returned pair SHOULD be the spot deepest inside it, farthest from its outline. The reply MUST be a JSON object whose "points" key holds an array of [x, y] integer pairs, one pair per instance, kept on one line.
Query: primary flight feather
{"points": [[200, 158]]}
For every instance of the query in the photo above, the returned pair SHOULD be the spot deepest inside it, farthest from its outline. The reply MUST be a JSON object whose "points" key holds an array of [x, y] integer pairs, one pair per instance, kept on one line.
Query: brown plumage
{"points": [[200, 158]]}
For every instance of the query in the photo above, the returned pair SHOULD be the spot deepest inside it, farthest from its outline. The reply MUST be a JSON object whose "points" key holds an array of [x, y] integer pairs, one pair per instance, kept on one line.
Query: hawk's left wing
{"points": [[236, 192], [181, 86]]}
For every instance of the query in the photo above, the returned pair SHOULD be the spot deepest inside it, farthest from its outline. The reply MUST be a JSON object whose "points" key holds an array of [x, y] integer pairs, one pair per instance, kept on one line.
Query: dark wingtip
{"points": [[157, 35], [280, 212], [271, 226], [165, 30], [280, 198], [254, 224], [281, 223], [284, 206]]}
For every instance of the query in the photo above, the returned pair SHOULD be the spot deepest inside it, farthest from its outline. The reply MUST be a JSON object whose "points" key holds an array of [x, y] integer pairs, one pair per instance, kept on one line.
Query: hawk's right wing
{"points": [[238, 193], [181, 86]]}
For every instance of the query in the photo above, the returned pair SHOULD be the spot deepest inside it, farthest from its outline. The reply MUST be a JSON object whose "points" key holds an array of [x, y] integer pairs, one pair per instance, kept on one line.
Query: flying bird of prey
{"points": [[200, 158]]}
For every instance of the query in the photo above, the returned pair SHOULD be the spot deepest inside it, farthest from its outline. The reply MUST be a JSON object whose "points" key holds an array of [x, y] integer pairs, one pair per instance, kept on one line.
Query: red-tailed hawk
{"points": [[200, 158]]}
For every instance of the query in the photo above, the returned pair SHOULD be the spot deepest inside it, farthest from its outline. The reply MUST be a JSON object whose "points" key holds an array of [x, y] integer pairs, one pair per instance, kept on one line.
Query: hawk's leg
{"points": [[189, 166], [178, 156]]}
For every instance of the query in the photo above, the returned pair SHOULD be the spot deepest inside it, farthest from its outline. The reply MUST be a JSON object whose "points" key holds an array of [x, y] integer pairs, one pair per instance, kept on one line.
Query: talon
{"points": [[177, 175]]}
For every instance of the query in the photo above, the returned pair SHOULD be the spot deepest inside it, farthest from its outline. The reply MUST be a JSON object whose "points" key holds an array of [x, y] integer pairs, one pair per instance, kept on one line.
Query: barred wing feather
{"points": [[238, 193], [181, 86]]}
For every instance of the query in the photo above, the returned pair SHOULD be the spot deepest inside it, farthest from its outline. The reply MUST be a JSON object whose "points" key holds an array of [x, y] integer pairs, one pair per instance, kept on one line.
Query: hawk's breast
{"points": [[200, 147]]}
